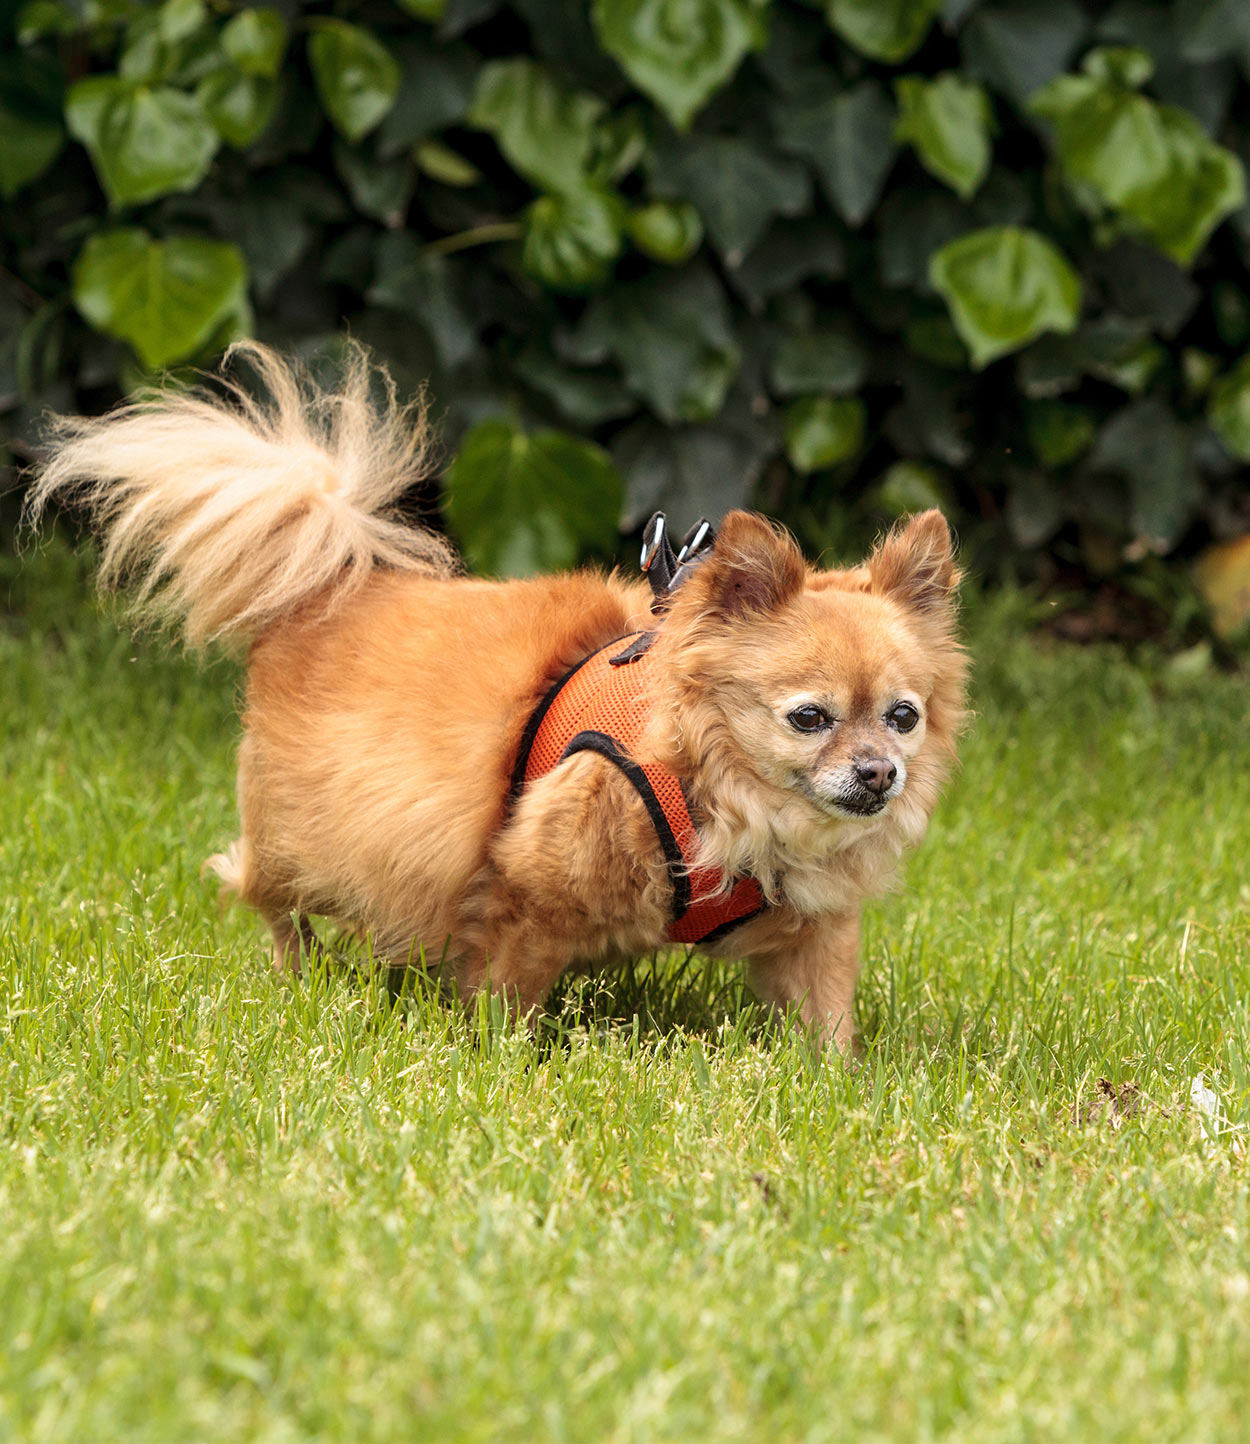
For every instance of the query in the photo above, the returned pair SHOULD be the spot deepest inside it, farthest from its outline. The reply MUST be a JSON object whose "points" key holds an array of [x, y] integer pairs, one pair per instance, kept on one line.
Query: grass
{"points": [[238, 1210]]}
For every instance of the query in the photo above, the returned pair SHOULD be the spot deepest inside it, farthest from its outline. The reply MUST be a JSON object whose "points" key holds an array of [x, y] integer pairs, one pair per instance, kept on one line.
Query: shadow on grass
{"points": [[651, 998]]}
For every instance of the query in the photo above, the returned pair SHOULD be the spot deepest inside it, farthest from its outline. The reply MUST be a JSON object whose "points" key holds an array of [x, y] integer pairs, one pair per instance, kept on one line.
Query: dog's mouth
{"points": [[846, 802], [867, 806]]}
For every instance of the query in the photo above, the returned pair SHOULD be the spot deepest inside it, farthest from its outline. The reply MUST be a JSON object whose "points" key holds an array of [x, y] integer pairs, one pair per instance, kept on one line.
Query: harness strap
{"points": [[601, 706]]}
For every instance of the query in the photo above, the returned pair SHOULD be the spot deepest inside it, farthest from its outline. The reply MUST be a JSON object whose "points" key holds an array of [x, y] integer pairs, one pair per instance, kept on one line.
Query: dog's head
{"points": [[839, 691]]}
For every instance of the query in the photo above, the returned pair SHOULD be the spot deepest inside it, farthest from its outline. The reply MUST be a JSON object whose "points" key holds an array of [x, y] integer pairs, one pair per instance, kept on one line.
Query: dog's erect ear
{"points": [[754, 567], [915, 564]]}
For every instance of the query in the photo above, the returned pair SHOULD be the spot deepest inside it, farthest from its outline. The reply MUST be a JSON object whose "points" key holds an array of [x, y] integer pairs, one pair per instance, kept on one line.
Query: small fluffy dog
{"points": [[795, 724]]}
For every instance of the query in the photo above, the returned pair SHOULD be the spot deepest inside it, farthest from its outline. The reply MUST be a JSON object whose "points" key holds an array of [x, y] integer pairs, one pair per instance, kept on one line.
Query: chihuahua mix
{"points": [[515, 776]]}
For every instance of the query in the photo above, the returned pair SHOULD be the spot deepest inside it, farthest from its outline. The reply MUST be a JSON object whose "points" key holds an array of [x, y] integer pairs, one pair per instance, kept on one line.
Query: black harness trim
{"points": [[607, 747], [726, 928], [639, 647]]}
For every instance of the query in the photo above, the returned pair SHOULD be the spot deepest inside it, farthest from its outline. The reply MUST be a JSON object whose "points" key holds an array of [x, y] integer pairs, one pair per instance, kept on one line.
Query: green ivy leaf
{"points": [[32, 101], [1115, 349], [431, 11], [171, 45], [788, 254], [911, 486], [357, 77], [1005, 286], [1150, 449], [179, 19], [1016, 46], [622, 141], [1230, 309], [825, 359], [381, 189], [668, 231], [823, 431], [690, 471], [1214, 29], [888, 30], [445, 165], [931, 417], [408, 279], [671, 334], [1229, 409], [1126, 66], [1035, 507], [272, 227], [680, 52], [572, 240], [1200, 370], [144, 141], [737, 187], [850, 138], [38, 18], [167, 298], [1142, 282], [545, 131], [948, 121], [934, 338], [523, 504], [28, 146], [1151, 163], [587, 398], [1058, 432], [255, 40], [435, 91], [239, 105]]}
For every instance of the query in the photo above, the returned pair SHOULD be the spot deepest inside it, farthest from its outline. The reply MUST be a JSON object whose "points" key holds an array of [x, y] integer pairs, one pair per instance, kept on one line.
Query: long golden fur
{"points": [[387, 694]]}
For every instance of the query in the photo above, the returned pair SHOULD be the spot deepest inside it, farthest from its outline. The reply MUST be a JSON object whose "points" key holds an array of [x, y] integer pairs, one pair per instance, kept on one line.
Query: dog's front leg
{"points": [[817, 973], [518, 957], [578, 872]]}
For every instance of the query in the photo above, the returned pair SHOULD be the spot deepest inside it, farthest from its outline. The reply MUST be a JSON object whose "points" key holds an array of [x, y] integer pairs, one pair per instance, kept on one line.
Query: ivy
{"points": [[680, 52], [839, 258], [1229, 411], [523, 504], [1005, 287], [357, 77], [256, 41], [822, 432], [888, 30], [571, 240], [1151, 165], [167, 298], [948, 120], [144, 141], [545, 131]]}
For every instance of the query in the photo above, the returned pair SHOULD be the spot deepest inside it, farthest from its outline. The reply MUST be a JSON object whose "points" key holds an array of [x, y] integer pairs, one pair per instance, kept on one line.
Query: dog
{"points": [[792, 727]]}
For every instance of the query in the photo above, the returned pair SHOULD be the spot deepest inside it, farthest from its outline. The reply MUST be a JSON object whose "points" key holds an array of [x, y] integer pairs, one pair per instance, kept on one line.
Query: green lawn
{"points": [[234, 1210]]}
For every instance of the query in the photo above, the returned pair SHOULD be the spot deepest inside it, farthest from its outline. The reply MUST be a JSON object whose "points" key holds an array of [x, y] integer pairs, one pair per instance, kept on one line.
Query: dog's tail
{"points": [[228, 512]]}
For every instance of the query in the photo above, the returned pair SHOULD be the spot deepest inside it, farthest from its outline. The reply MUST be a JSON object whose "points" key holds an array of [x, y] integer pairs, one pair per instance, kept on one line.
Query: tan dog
{"points": [[811, 716]]}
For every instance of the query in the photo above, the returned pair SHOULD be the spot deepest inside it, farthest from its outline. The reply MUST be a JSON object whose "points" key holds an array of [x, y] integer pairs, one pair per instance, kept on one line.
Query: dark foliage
{"points": [[841, 260]]}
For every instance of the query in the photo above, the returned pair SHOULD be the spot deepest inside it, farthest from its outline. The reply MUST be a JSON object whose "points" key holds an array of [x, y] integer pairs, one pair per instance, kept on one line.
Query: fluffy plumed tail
{"points": [[227, 512]]}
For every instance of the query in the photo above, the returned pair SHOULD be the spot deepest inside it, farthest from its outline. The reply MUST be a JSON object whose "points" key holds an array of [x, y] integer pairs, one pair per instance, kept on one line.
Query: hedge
{"points": [[837, 259]]}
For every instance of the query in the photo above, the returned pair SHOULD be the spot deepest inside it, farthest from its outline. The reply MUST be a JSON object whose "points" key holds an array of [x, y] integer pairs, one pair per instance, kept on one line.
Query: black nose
{"points": [[876, 774]]}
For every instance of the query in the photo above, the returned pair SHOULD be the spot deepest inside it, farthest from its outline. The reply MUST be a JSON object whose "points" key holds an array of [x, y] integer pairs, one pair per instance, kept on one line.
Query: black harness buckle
{"points": [[665, 569]]}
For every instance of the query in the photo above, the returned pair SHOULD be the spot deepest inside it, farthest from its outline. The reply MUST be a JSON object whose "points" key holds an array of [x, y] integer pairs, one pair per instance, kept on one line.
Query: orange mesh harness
{"points": [[601, 706]]}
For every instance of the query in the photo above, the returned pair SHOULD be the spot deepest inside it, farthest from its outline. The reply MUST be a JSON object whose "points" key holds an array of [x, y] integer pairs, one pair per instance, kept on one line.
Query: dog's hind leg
{"points": [[293, 939], [293, 936]]}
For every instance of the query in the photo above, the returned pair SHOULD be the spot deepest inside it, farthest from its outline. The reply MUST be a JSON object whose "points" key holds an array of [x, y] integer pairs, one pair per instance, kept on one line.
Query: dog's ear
{"points": [[915, 564], [754, 568]]}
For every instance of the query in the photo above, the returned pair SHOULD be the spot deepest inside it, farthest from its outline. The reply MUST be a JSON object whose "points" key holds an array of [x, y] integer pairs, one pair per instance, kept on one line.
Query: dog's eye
{"points": [[808, 718], [902, 716]]}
